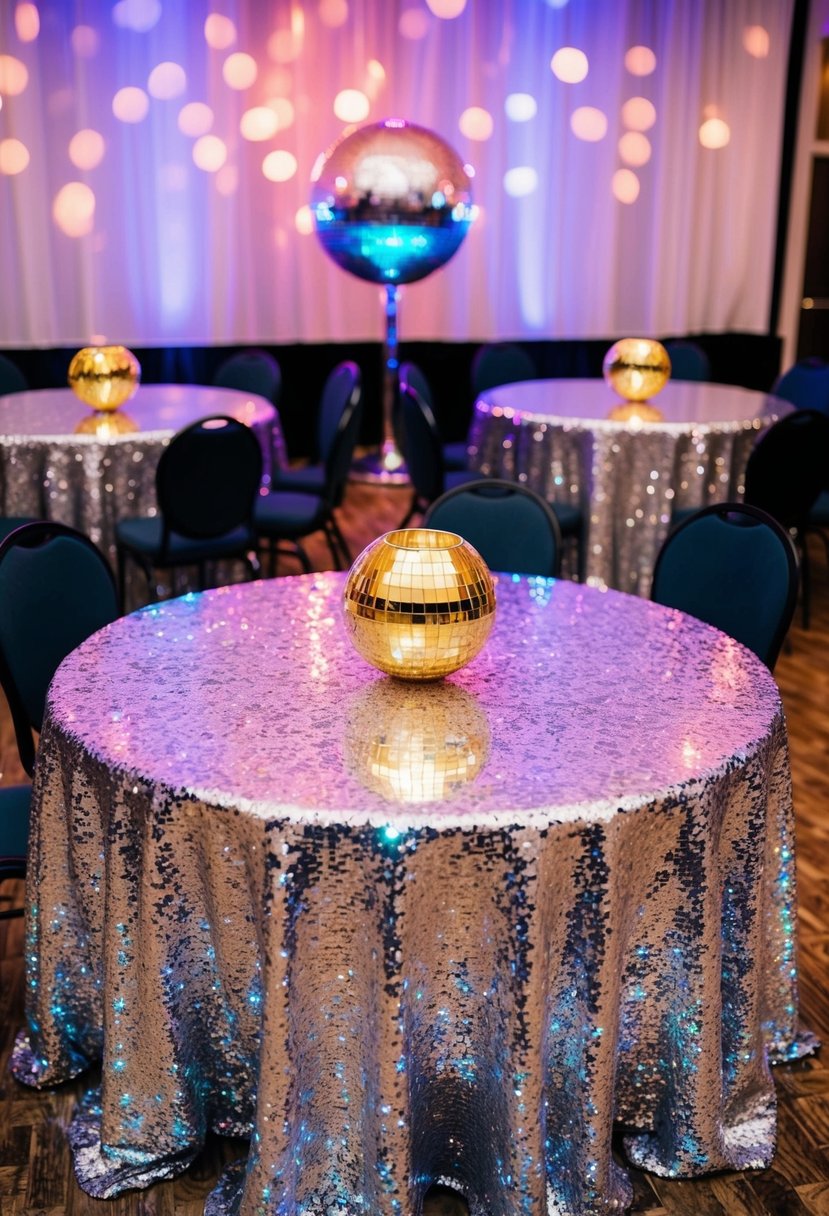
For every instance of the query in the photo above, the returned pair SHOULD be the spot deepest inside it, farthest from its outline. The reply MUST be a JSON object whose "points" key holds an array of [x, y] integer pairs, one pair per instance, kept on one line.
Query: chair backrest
{"points": [[805, 385], [252, 371], [688, 361], [341, 453], [208, 477], [341, 385], [12, 379], [413, 375], [56, 589], [733, 566], [421, 445], [787, 467], [512, 528], [500, 363]]}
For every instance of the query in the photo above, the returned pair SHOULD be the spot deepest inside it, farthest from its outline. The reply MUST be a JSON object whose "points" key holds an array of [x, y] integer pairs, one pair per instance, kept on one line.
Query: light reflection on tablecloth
{"points": [[49, 472], [627, 478], [261, 927]]}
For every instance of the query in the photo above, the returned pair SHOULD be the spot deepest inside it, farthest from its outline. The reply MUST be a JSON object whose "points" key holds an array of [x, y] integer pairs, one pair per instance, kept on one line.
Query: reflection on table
{"points": [[50, 468], [406, 935], [556, 436]]}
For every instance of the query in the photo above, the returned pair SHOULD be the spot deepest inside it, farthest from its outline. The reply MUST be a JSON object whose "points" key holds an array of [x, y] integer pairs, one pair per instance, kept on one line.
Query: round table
{"points": [[626, 476], [50, 470], [405, 934]]}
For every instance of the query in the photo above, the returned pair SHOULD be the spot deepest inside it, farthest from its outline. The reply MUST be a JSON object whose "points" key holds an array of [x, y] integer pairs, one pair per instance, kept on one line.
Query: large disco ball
{"points": [[391, 202]]}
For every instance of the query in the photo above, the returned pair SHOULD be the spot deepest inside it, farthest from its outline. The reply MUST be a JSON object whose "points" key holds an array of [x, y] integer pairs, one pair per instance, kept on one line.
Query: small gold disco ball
{"points": [[419, 603], [636, 411], [414, 743], [104, 377], [107, 424], [637, 368]]}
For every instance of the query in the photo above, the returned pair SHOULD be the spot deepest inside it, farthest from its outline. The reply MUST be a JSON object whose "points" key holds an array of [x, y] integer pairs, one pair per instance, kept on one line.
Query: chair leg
{"points": [[805, 581], [413, 508], [340, 539], [305, 561]]}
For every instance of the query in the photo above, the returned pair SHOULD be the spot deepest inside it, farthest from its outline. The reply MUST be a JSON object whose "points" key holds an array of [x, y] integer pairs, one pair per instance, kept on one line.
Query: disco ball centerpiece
{"points": [[392, 202], [637, 369], [419, 603], [104, 377]]}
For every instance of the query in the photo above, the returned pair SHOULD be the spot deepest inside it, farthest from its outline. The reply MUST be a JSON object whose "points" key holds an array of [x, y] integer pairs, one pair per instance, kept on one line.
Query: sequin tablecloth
{"points": [[627, 477], [404, 934], [49, 471]]}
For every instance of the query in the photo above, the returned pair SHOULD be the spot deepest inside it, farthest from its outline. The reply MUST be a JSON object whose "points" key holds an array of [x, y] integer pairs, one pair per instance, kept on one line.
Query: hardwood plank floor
{"points": [[35, 1170]]}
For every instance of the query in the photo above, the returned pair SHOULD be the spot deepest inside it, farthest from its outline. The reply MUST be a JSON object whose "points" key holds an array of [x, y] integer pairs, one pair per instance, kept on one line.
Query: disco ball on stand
{"points": [[391, 203]]}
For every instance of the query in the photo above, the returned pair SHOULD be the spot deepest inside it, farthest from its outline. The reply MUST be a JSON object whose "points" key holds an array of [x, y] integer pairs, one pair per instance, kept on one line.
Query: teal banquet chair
{"points": [[251, 371], [510, 525], [340, 393]]}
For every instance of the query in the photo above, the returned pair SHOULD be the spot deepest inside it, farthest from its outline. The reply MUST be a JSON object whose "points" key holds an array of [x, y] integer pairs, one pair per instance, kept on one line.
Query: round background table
{"points": [[407, 934], [51, 471], [627, 477]]}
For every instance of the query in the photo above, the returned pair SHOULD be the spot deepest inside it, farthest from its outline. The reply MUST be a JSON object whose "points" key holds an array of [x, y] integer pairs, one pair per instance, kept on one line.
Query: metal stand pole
{"points": [[387, 465]]}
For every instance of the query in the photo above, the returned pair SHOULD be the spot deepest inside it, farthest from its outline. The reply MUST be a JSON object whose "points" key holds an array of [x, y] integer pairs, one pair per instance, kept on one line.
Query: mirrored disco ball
{"points": [[104, 377], [391, 202]]}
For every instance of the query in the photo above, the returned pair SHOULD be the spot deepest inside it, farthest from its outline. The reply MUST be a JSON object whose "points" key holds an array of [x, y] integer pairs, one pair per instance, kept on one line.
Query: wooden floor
{"points": [[35, 1171]]}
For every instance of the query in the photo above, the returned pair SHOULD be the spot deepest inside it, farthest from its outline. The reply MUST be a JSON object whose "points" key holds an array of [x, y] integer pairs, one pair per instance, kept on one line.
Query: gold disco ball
{"points": [[419, 603], [637, 368], [107, 424], [415, 744], [104, 377]]}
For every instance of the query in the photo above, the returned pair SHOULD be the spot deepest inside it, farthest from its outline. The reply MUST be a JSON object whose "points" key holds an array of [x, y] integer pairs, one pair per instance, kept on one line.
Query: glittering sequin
{"points": [[626, 477], [407, 934]]}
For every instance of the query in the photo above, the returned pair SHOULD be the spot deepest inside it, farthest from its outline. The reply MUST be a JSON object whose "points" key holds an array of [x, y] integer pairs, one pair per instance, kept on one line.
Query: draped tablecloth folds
{"points": [[402, 935], [50, 471], [626, 476]]}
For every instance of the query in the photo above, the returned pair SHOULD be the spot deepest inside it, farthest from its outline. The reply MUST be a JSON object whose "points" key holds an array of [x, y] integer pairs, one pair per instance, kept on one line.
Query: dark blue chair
{"points": [[286, 517], [251, 371], [206, 482], [500, 363], [341, 391], [510, 525], [688, 360], [56, 589], [732, 566], [12, 379], [806, 386], [423, 452], [454, 454]]}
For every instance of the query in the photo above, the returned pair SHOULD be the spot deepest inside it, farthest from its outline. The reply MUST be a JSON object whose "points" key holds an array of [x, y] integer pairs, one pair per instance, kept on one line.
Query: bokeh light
{"points": [[476, 123], [73, 209], [446, 8], [219, 32], [569, 64], [85, 41], [520, 107], [209, 153], [14, 75], [333, 13], [304, 221], [756, 41], [27, 22], [635, 148], [588, 123], [14, 156], [640, 60], [520, 181], [714, 133], [376, 70], [167, 80], [130, 104], [625, 186], [86, 149], [351, 105], [138, 15], [279, 166], [195, 118], [638, 114], [284, 111], [413, 24], [258, 123], [239, 70]]}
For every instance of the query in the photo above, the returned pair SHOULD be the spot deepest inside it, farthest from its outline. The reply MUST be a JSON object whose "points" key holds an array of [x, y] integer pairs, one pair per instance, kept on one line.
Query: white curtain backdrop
{"points": [[119, 234]]}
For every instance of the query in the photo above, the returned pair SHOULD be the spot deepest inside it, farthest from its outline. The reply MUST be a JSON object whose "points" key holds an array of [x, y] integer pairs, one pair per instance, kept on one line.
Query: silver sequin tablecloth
{"points": [[403, 934], [556, 437], [49, 471]]}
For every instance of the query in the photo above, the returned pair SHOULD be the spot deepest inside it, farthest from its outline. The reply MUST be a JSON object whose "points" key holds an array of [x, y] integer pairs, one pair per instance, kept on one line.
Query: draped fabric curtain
{"points": [[129, 213]]}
